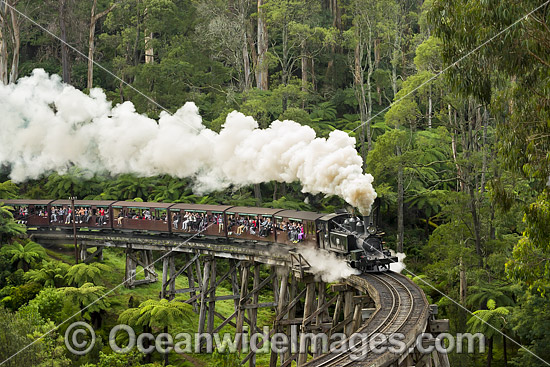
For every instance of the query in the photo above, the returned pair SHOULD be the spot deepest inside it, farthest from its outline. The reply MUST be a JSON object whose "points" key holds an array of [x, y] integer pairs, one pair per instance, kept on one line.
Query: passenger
{"points": [[101, 218], [300, 233], [194, 222], [186, 220], [81, 216], [176, 220], [147, 214], [120, 218], [68, 216], [88, 214], [263, 228], [241, 226], [220, 222], [204, 222]]}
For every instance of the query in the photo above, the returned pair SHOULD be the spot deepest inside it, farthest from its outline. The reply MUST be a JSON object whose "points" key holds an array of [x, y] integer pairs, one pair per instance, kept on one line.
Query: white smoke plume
{"points": [[399, 265], [49, 126], [326, 266]]}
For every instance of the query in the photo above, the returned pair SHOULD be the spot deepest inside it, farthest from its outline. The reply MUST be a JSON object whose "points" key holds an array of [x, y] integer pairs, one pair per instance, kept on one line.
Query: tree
{"points": [[94, 18], [64, 39], [24, 255], [158, 314], [519, 101], [9, 228], [82, 273], [491, 322], [51, 274], [365, 38], [9, 24], [16, 332], [8, 190], [91, 300]]}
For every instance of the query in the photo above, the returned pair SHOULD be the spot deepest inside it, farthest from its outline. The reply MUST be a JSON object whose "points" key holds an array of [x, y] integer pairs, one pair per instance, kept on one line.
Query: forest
{"points": [[448, 100]]}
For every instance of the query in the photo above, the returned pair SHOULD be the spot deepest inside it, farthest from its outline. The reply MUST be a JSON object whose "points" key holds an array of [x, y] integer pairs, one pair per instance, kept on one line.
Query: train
{"points": [[356, 239]]}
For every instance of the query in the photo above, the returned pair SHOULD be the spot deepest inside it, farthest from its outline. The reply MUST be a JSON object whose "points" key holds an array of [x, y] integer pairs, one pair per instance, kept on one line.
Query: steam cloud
{"points": [[326, 266], [49, 126], [399, 265]]}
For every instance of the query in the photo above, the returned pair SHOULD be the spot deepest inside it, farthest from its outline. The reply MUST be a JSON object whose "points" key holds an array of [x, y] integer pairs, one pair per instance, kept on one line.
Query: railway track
{"points": [[401, 307]]}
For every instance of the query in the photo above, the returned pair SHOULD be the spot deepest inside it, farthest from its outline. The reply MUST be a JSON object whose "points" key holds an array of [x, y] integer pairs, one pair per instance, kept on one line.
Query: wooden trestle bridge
{"points": [[367, 304]]}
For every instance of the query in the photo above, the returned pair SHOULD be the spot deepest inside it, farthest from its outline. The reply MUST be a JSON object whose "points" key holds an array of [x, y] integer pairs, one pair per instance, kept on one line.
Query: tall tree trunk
{"points": [[463, 283], [504, 350], [149, 51], [489, 351], [400, 205], [258, 194], [64, 46], [303, 59], [3, 43], [262, 67], [336, 23], [91, 39], [312, 73], [14, 72], [370, 70], [430, 107], [246, 59], [358, 77], [285, 65], [484, 156]]}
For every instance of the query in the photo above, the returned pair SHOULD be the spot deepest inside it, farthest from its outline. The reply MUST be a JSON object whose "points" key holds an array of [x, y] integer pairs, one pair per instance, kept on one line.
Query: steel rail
{"points": [[401, 306]]}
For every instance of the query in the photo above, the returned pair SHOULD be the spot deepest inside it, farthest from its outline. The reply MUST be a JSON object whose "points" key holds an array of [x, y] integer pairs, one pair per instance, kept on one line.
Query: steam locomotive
{"points": [[358, 240]]}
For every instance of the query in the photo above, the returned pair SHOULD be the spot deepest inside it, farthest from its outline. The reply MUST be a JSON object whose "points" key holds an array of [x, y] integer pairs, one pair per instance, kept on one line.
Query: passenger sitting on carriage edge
{"points": [[240, 228], [219, 219], [176, 220]]}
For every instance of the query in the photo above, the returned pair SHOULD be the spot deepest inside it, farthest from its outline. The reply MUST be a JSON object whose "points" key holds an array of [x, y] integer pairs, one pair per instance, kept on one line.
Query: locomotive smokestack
{"points": [[366, 222]]}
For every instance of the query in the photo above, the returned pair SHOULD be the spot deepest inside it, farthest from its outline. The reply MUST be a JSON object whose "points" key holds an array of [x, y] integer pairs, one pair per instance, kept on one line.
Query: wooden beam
{"points": [[258, 287], [240, 311], [320, 310], [164, 276], [204, 288], [290, 306], [212, 298], [225, 321], [308, 309], [280, 307]]}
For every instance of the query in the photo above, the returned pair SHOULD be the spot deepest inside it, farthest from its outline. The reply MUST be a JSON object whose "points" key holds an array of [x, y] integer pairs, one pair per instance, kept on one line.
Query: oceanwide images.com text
{"points": [[80, 339]]}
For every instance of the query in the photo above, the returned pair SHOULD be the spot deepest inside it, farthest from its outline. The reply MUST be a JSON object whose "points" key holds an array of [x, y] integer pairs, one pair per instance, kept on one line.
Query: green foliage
{"points": [[130, 359], [16, 332], [528, 262], [285, 203], [49, 304], [51, 274], [86, 273], [24, 255], [161, 313], [75, 181], [87, 295], [530, 321], [9, 228], [490, 322], [19, 295], [8, 190]]}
